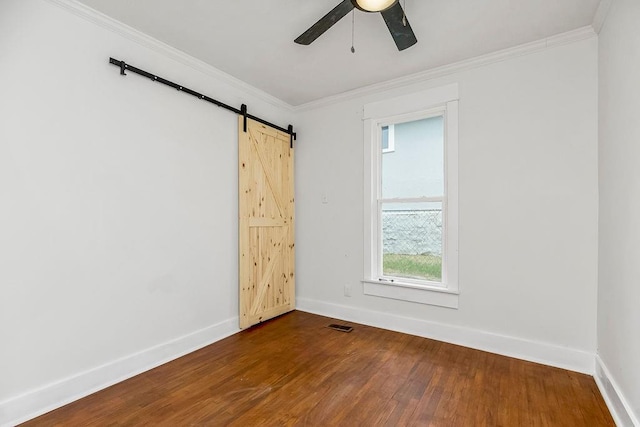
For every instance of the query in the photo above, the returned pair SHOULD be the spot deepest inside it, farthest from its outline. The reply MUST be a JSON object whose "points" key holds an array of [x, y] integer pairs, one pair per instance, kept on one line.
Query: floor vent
{"points": [[340, 328]]}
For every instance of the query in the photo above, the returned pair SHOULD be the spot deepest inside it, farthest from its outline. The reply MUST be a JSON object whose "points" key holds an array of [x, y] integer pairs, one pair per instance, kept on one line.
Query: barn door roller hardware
{"points": [[242, 111]]}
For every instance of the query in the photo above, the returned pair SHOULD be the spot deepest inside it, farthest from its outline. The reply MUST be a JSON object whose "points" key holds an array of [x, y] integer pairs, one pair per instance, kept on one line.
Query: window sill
{"points": [[421, 294]]}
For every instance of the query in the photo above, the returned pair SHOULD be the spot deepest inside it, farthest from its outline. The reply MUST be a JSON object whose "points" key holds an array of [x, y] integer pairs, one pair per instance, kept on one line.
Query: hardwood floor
{"points": [[294, 370]]}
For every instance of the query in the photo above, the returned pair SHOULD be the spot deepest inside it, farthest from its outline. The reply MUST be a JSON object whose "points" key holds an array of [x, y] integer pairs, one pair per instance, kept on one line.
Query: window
{"points": [[411, 202], [411, 206], [388, 139]]}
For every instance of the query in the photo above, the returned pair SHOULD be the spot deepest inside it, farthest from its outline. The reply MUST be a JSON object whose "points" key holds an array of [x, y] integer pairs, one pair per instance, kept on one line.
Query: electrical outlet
{"points": [[347, 290]]}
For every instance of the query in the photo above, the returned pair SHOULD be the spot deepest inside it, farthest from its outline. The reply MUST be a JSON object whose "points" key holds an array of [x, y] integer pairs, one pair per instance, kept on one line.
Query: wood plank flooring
{"points": [[294, 370]]}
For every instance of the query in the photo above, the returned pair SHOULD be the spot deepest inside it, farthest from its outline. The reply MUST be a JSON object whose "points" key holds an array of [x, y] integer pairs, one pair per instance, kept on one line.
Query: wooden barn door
{"points": [[266, 213]]}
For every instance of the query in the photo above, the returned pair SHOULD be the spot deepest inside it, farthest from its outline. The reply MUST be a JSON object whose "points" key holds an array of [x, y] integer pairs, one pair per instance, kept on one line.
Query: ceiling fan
{"points": [[390, 10]]}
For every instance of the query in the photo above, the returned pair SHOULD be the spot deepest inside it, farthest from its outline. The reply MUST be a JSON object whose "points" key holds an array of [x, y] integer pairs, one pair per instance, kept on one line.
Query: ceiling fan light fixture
{"points": [[374, 5], [390, 10]]}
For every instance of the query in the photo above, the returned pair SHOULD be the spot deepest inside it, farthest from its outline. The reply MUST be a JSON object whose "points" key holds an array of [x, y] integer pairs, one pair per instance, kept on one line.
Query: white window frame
{"points": [[435, 102]]}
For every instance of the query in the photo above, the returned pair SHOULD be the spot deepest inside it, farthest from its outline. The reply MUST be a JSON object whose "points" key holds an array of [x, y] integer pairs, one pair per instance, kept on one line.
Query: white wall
{"points": [[118, 206], [118, 209], [528, 210], [619, 154]]}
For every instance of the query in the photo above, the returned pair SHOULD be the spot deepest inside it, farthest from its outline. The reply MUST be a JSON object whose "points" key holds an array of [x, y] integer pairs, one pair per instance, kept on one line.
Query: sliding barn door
{"points": [[266, 223]]}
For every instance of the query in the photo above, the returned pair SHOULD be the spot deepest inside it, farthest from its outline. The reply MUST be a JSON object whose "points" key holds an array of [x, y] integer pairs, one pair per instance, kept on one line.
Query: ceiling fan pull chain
{"points": [[353, 30]]}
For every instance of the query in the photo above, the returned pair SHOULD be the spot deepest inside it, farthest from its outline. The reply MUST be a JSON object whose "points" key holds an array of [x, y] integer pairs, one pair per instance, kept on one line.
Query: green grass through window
{"points": [[425, 267]]}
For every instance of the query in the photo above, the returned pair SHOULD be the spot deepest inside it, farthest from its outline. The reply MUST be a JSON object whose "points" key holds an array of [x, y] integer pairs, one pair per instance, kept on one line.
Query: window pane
{"points": [[412, 240], [416, 166]]}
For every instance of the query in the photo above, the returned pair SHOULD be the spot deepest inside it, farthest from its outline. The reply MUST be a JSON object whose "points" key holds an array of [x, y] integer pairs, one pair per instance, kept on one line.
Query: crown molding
{"points": [[601, 15], [573, 36], [117, 27]]}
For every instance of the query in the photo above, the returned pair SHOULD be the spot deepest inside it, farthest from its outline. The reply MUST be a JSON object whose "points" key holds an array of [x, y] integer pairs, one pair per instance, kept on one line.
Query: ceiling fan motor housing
{"points": [[372, 6]]}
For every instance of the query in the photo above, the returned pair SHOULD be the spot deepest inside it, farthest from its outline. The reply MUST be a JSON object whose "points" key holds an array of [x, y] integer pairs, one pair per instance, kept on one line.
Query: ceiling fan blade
{"points": [[326, 22], [402, 34]]}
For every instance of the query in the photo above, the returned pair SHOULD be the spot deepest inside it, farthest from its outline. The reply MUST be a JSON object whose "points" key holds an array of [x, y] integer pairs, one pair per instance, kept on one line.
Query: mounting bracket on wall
{"points": [[242, 111]]}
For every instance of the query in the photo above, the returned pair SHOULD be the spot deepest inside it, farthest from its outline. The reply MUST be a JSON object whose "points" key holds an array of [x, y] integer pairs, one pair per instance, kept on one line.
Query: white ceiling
{"points": [[253, 39]]}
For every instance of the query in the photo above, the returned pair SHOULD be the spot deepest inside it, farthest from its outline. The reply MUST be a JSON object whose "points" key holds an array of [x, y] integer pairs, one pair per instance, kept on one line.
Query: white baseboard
{"points": [[618, 405], [533, 351], [37, 402], [51, 396]]}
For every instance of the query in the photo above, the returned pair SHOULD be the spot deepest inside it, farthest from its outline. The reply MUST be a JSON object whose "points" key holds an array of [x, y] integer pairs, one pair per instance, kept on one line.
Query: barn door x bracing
{"points": [[266, 213]]}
